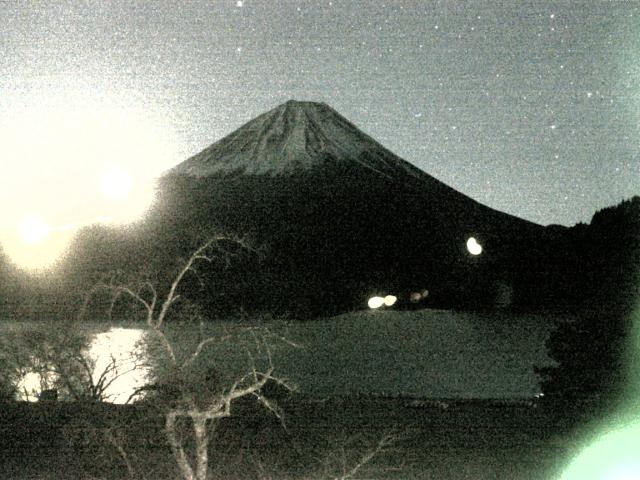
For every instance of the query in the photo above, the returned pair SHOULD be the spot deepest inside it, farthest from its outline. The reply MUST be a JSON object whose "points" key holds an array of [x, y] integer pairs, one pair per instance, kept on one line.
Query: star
{"points": [[473, 71]]}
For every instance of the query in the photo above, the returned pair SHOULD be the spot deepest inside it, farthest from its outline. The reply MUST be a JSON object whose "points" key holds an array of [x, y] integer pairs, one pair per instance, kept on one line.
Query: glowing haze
{"points": [[72, 161]]}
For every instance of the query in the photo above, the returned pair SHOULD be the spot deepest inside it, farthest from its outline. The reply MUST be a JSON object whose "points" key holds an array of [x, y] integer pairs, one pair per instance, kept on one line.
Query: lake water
{"points": [[117, 352], [425, 353]]}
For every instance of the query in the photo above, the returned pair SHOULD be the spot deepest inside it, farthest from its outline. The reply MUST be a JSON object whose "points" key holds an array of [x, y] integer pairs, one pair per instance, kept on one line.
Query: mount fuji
{"points": [[340, 218]]}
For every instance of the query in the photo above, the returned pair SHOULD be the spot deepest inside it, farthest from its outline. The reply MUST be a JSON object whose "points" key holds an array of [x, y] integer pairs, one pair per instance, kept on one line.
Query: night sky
{"points": [[531, 108]]}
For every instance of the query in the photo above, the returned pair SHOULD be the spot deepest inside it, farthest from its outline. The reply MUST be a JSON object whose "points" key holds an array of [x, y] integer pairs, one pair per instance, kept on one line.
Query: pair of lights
{"points": [[377, 302]]}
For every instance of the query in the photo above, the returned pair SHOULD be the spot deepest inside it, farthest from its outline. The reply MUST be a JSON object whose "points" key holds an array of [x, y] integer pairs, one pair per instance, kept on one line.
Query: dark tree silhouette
{"points": [[591, 348]]}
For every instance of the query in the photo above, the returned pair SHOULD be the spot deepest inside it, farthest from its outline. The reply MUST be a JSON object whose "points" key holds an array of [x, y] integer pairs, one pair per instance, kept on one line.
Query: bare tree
{"points": [[348, 459], [187, 396]]}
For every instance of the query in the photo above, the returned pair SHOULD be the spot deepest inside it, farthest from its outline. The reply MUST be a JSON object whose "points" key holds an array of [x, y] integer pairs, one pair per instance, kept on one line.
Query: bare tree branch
{"points": [[176, 447], [200, 347], [111, 438], [171, 296], [385, 441]]}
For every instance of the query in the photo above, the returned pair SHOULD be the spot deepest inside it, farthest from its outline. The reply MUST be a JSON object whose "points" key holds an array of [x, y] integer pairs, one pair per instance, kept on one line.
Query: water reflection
{"points": [[122, 348], [117, 357]]}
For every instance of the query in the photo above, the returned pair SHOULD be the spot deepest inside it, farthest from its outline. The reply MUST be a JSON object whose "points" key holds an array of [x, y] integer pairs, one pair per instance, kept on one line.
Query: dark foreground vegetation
{"points": [[348, 437], [590, 271]]}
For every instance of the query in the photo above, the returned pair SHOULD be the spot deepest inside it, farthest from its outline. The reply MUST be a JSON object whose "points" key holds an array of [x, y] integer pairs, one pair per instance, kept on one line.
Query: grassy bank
{"points": [[468, 440]]}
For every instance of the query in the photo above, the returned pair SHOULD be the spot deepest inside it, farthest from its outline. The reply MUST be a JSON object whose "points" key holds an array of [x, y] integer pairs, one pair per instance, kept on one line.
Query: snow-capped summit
{"points": [[295, 136]]}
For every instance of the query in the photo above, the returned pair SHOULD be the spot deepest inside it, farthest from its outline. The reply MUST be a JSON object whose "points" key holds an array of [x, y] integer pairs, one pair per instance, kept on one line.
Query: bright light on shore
{"points": [[390, 300], [473, 246], [375, 302]]}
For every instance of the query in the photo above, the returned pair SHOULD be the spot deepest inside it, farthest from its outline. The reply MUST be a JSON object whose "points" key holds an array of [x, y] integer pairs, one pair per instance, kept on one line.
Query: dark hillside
{"points": [[594, 266], [594, 351]]}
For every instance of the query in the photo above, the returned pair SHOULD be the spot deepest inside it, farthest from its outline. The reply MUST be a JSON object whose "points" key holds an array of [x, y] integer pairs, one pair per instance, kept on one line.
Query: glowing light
{"points": [[33, 244], [390, 300], [375, 302], [473, 246], [615, 456], [116, 182], [33, 230], [418, 296], [71, 157]]}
